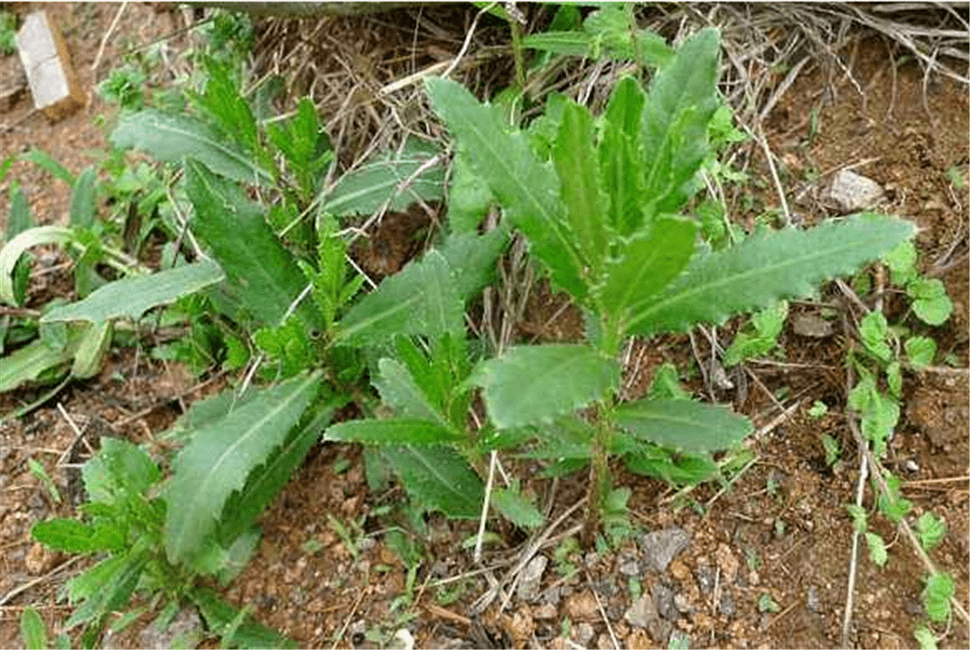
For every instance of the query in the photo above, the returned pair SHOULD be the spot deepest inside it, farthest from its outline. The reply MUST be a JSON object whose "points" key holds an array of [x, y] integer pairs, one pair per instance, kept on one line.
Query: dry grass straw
{"points": [[364, 72]]}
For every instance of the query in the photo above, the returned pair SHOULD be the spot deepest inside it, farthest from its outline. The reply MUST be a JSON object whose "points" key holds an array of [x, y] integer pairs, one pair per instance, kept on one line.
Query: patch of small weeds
{"points": [[818, 409], [8, 32], [833, 450]]}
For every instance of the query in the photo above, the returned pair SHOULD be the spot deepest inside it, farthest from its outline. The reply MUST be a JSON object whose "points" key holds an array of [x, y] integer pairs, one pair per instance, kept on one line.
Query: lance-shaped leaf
{"points": [[472, 259], [421, 299], [620, 156], [219, 458], [395, 431], [768, 267], [400, 391], [133, 296], [262, 487], [172, 138], [680, 103], [439, 479], [582, 188], [258, 267], [527, 188], [534, 384], [381, 182], [683, 425], [645, 265]]}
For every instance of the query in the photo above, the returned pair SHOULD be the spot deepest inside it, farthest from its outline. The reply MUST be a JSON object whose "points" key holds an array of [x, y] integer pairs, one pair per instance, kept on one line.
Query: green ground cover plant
{"points": [[266, 290], [600, 212], [887, 355]]}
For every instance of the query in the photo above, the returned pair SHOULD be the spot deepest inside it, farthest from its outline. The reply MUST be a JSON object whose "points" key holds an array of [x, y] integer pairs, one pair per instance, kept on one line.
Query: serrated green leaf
{"points": [[877, 549], [219, 458], [131, 297], [83, 199], [893, 505], [527, 188], [262, 486], [768, 324], [644, 265], [859, 516], [620, 155], [468, 198], [472, 259], [767, 267], [666, 384], [920, 350], [534, 384], [257, 266], [581, 185], [873, 330], [32, 629], [930, 530], [395, 431], [437, 478], [681, 100], [930, 301], [683, 425], [516, 508], [936, 596], [601, 39], [401, 391], [902, 263], [112, 593], [119, 470], [368, 188], [12, 250], [69, 535], [894, 379], [222, 103], [925, 638], [173, 138], [421, 299]]}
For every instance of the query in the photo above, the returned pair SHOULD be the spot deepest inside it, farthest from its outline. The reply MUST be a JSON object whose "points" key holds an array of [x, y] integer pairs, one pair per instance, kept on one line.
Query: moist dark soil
{"points": [[767, 561]]}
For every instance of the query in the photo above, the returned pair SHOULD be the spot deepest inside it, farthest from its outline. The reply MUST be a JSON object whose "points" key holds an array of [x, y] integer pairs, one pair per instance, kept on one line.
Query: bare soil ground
{"points": [[779, 533]]}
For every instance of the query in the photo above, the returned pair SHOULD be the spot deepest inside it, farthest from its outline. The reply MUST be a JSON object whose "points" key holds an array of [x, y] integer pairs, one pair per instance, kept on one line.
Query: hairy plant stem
{"points": [[598, 489]]}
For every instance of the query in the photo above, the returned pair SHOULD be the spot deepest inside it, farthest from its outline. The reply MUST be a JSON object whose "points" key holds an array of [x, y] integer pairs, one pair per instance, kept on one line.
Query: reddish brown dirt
{"points": [[780, 531]]}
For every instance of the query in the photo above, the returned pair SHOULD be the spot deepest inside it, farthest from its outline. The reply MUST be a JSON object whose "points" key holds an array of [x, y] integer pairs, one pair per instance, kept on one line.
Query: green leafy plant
{"points": [[8, 32], [122, 521], [600, 214]]}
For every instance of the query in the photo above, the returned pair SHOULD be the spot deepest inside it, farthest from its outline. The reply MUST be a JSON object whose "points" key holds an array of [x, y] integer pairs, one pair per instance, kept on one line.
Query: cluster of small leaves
{"points": [[122, 520]]}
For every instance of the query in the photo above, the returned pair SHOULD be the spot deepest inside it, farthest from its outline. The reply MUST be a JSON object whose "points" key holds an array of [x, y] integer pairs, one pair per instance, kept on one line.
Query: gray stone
{"points": [[705, 577], [660, 630], [851, 192], [185, 631], [531, 578], [726, 606], [641, 612], [552, 596], [811, 600], [629, 566], [684, 606], [584, 633], [662, 546], [663, 598]]}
